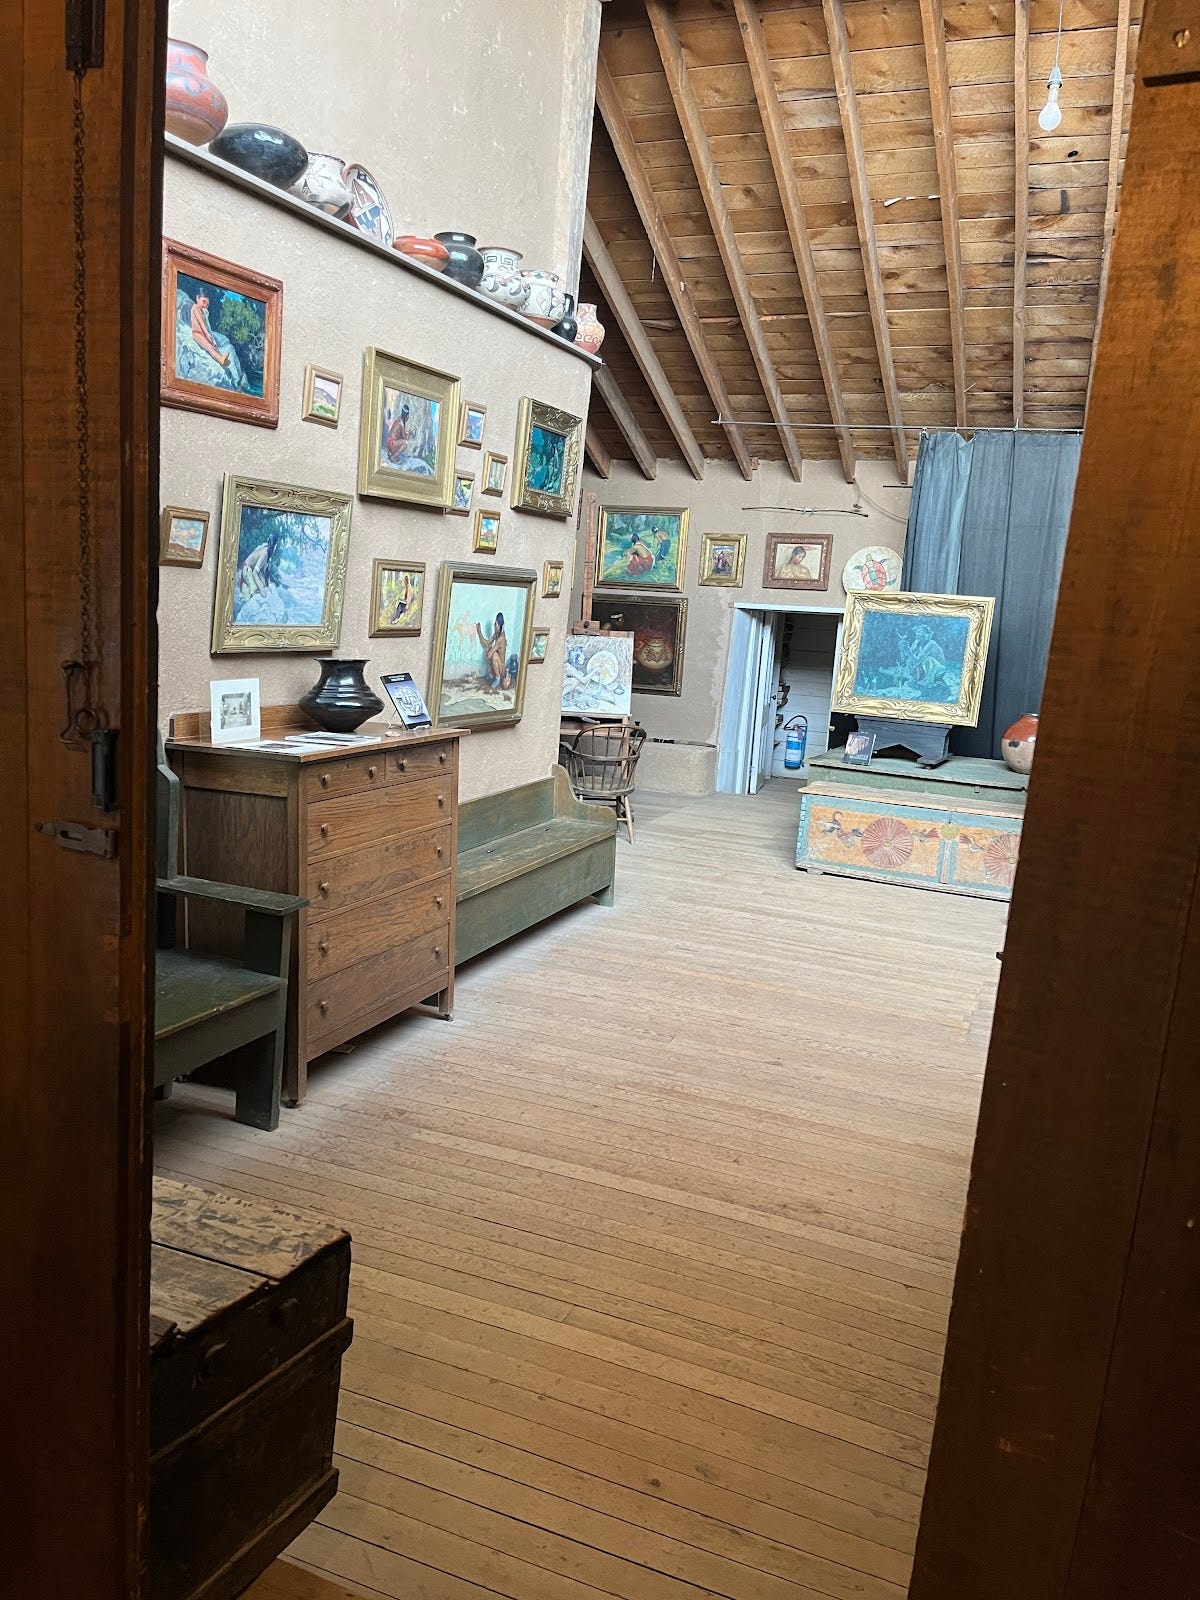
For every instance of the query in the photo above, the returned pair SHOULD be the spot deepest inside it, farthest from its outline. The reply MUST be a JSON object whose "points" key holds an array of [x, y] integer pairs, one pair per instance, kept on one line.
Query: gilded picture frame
{"points": [[222, 337], [553, 578], [722, 560], [642, 547], [397, 598], [913, 657], [183, 535], [658, 623], [546, 459], [793, 561], [281, 568], [408, 431], [477, 681], [539, 647], [323, 393]]}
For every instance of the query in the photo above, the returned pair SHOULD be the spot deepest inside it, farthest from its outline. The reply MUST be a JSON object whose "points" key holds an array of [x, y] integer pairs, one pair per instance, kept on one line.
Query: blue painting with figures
{"points": [[912, 656]]}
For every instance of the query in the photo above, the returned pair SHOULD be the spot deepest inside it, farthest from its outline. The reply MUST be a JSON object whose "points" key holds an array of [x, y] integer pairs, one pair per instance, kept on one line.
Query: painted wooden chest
{"points": [[919, 839]]}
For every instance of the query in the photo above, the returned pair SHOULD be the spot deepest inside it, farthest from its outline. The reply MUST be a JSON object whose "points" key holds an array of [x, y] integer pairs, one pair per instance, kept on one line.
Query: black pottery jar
{"points": [[265, 152], [341, 699], [465, 265], [568, 327]]}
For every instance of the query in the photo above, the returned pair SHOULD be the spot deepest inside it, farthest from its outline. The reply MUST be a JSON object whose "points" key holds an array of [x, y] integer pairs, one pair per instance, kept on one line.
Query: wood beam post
{"points": [[667, 257], [609, 390], [839, 51], [597, 453], [624, 313], [1021, 195], [688, 111], [1120, 70], [759, 61], [933, 31]]}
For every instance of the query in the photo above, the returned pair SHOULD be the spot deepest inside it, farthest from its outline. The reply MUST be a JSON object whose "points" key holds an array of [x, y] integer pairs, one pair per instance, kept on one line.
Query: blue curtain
{"points": [[989, 516]]}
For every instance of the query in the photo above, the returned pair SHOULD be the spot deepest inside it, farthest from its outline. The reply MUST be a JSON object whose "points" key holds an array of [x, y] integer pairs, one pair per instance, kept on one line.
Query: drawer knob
{"points": [[442, 757], [440, 851], [323, 888], [324, 780], [324, 830], [322, 1006], [323, 947], [437, 950], [371, 771], [441, 799], [439, 902], [402, 764]]}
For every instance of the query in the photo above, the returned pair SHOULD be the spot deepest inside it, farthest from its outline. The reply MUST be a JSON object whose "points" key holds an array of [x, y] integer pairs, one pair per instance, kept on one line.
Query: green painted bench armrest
{"points": [[264, 900]]}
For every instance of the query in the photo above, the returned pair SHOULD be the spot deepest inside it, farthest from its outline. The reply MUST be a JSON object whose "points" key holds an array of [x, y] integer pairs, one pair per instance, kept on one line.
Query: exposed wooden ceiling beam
{"points": [[933, 31], [758, 59], [839, 51], [597, 452], [1116, 129], [687, 109], [622, 414], [625, 315], [667, 258], [1021, 188]]}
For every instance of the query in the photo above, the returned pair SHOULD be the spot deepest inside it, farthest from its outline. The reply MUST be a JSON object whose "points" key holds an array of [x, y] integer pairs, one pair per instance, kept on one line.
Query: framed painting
{"points": [[546, 460], [397, 598], [792, 563], [235, 711], [723, 560], [470, 424], [460, 497], [222, 328], [487, 532], [481, 645], [539, 645], [281, 570], [915, 657], [598, 674], [552, 580], [322, 396], [407, 431], [641, 547], [495, 470], [658, 625], [182, 537]]}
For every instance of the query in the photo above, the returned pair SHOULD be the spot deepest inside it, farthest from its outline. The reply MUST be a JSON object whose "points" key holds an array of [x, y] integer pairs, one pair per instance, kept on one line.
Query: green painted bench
{"points": [[525, 854]]}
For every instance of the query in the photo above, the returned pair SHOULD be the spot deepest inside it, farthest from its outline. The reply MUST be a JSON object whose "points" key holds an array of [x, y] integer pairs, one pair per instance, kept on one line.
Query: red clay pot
{"points": [[1017, 744], [429, 251]]}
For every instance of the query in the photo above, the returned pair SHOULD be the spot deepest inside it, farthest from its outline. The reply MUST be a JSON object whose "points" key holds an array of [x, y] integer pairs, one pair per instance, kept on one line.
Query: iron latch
{"points": [[78, 836]]}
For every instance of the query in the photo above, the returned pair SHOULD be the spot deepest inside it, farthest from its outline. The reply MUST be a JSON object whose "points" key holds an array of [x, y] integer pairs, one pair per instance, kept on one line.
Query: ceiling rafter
{"points": [[1120, 70], [933, 33], [597, 452], [759, 61], [864, 216], [688, 111], [609, 390], [625, 315], [1021, 196], [668, 261]]}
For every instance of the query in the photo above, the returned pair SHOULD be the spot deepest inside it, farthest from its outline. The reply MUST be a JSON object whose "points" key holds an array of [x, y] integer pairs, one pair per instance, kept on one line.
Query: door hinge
{"points": [[78, 836]]}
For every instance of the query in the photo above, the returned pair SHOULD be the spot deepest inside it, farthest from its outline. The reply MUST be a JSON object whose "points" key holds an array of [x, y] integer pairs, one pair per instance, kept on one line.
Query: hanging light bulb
{"points": [[1050, 115]]}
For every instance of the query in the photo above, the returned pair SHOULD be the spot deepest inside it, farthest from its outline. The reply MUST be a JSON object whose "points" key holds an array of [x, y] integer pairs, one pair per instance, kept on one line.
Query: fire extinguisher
{"points": [[797, 742]]}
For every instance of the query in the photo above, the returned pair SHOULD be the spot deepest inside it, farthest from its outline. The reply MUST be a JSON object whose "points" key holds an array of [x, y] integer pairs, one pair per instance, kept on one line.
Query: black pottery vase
{"points": [[266, 152], [340, 699], [568, 327], [465, 265]]}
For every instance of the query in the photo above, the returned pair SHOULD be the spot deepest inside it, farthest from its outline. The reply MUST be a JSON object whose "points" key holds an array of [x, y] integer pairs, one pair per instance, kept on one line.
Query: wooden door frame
{"points": [[74, 926], [1064, 1464]]}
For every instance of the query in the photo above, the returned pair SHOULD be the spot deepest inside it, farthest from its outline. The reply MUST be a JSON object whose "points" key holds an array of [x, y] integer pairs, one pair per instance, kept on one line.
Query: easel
{"points": [[585, 623]]}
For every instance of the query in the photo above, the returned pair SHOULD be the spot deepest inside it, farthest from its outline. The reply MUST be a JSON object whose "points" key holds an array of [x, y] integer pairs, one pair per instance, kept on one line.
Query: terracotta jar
{"points": [[1017, 744], [322, 186], [419, 248], [196, 108], [591, 330]]}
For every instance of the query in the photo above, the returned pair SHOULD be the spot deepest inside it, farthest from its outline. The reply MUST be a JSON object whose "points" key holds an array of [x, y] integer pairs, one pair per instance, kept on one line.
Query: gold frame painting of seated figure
{"points": [[722, 560], [913, 657], [408, 431], [222, 335], [477, 678]]}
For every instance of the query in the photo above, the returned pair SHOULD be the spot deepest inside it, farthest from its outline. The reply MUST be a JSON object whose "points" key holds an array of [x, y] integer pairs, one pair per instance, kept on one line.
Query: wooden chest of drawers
{"points": [[367, 834]]}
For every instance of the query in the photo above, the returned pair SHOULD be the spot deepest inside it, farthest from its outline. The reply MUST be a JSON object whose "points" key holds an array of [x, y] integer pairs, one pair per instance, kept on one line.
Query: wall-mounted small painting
{"points": [[723, 560], [915, 657], [546, 461], [281, 571], [397, 598], [539, 644], [322, 396], [495, 470], [552, 580], [641, 546], [406, 431], [182, 538], [460, 499], [481, 645], [658, 624], [221, 337], [792, 563], [470, 425], [874, 567], [487, 532], [598, 674]]}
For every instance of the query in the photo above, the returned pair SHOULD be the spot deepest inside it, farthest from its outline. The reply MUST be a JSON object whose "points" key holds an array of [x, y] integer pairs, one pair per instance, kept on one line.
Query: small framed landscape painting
{"points": [[281, 570], [481, 645], [460, 499], [546, 461], [222, 329], [495, 470], [914, 657], [322, 396], [470, 425], [723, 560], [397, 598], [406, 431], [183, 537], [487, 532], [235, 711], [793, 563], [552, 580], [641, 547], [539, 644], [658, 624]]}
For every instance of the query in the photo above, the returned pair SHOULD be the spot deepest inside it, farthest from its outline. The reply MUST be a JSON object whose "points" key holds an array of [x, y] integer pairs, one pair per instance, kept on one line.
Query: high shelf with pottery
{"points": [[367, 833]]}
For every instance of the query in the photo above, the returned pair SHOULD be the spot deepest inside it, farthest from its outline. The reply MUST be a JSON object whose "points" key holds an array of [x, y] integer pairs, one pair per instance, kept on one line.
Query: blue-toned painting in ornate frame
{"points": [[913, 657]]}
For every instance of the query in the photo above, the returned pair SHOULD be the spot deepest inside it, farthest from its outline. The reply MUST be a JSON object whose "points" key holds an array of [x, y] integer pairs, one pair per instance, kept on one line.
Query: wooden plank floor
{"points": [[654, 1244]]}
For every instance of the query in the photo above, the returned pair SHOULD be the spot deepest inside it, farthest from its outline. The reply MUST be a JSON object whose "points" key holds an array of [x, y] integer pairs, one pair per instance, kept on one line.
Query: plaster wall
{"points": [[471, 115], [339, 299], [723, 502]]}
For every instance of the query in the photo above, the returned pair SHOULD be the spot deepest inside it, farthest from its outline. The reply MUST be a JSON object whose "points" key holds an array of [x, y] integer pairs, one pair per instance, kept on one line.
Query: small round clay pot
{"points": [[419, 248], [266, 152], [1017, 744], [196, 108]]}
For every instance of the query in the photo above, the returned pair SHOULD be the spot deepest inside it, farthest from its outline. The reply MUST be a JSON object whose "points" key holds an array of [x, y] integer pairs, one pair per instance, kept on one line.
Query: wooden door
{"points": [[73, 923]]}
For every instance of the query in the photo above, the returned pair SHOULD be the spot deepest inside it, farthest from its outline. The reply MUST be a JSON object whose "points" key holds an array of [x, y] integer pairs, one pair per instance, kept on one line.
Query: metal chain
{"points": [[82, 719]]}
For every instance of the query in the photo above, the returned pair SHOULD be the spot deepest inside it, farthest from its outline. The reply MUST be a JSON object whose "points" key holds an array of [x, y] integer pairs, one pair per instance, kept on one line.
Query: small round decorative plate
{"points": [[368, 209], [873, 567]]}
